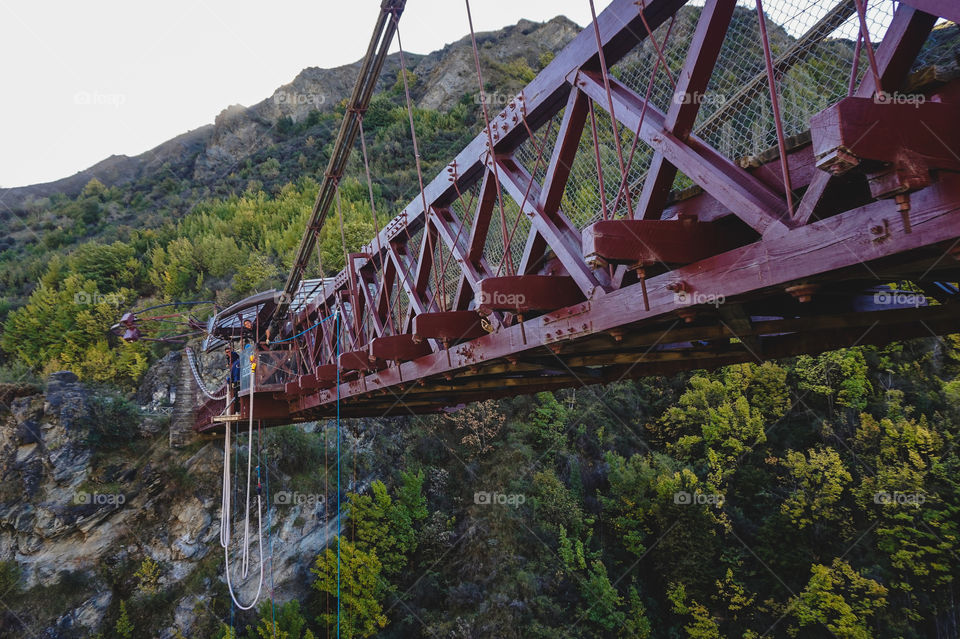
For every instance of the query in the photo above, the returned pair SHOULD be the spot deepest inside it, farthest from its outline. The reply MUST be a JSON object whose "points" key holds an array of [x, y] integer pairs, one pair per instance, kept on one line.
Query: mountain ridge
{"points": [[237, 132]]}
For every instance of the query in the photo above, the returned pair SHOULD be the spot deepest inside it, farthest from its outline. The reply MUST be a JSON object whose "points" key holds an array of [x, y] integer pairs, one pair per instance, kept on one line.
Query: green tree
{"points": [[819, 479], [63, 325], [841, 599], [148, 576], [839, 376], [714, 421], [357, 231], [386, 526], [124, 626], [547, 424], [280, 622], [255, 273], [702, 625], [360, 587]]}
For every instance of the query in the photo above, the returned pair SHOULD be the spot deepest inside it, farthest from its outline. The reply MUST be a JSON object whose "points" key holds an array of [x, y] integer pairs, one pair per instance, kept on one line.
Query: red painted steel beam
{"points": [[360, 361], [558, 232], [841, 242], [449, 326], [927, 130], [621, 29], [824, 250], [525, 293], [557, 175], [949, 9], [916, 138], [658, 242], [691, 87], [403, 347], [901, 43]]}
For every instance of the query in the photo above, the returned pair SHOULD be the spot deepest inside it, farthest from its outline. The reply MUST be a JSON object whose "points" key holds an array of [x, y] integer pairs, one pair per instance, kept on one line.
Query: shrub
{"points": [[292, 450], [9, 576], [111, 420]]}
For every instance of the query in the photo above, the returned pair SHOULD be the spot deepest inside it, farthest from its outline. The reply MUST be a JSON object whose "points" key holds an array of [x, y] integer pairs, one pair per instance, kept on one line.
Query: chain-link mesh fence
{"points": [[813, 47]]}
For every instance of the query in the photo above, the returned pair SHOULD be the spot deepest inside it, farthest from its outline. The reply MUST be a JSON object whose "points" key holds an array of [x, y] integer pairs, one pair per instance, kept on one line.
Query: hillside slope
{"points": [[208, 153]]}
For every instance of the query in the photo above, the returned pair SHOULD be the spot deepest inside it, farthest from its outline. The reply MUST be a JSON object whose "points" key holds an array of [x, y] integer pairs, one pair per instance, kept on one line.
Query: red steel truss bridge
{"points": [[681, 187]]}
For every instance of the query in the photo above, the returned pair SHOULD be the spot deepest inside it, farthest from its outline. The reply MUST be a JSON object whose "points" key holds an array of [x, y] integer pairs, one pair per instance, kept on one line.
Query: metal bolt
{"points": [[677, 287]]}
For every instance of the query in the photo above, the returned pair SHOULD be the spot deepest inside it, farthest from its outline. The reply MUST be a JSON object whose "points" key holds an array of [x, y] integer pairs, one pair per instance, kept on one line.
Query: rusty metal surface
{"points": [[604, 228]]}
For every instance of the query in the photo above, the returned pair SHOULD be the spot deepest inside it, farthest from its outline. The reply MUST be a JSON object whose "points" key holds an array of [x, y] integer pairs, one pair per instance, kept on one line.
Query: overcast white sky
{"points": [[84, 80]]}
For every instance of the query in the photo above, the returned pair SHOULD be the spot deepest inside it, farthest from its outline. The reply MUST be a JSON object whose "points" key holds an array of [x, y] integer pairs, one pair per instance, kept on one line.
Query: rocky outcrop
{"points": [[74, 514], [446, 75]]}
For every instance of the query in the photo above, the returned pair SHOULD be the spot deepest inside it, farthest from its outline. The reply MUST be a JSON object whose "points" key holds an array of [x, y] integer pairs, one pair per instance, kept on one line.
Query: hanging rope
{"points": [[266, 475], [493, 157], [226, 519], [428, 237], [338, 476], [306, 330], [376, 225]]}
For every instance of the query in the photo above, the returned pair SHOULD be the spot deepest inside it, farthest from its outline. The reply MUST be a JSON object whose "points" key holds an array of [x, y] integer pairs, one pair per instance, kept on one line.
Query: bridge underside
{"points": [[492, 282]]}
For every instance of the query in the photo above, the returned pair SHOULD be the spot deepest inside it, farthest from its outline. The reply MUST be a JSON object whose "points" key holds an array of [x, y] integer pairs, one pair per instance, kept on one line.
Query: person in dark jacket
{"points": [[233, 361], [248, 331]]}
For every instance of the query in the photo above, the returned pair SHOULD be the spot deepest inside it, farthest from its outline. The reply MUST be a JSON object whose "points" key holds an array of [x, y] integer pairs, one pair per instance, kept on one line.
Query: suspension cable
{"points": [[376, 225], [428, 237], [346, 257], [526, 194], [868, 45], [613, 115], [625, 186], [775, 105], [507, 255], [339, 532], [596, 152]]}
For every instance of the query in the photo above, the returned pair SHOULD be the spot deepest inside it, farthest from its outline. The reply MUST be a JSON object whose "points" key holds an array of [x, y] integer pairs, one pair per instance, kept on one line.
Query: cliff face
{"points": [[79, 513], [210, 152]]}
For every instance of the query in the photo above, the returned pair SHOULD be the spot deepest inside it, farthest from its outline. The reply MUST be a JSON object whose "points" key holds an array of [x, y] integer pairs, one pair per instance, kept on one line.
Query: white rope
{"points": [[225, 522], [196, 375], [245, 564]]}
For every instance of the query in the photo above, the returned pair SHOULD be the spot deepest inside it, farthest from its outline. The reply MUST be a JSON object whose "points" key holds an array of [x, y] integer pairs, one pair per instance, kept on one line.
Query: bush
{"points": [[292, 450], [112, 421], [9, 576]]}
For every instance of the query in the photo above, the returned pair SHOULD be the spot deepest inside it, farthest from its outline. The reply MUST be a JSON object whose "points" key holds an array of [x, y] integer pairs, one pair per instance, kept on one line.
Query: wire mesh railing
{"points": [[816, 60]]}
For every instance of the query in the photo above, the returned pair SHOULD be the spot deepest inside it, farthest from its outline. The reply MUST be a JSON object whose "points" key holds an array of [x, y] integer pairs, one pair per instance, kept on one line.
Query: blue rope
{"points": [[337, 351], [236, 475], [281, 341]]}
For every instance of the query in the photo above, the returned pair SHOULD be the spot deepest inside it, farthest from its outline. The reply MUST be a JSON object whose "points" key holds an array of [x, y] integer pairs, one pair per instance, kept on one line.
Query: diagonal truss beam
{"points": [[691, 86], [746, 196]]}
